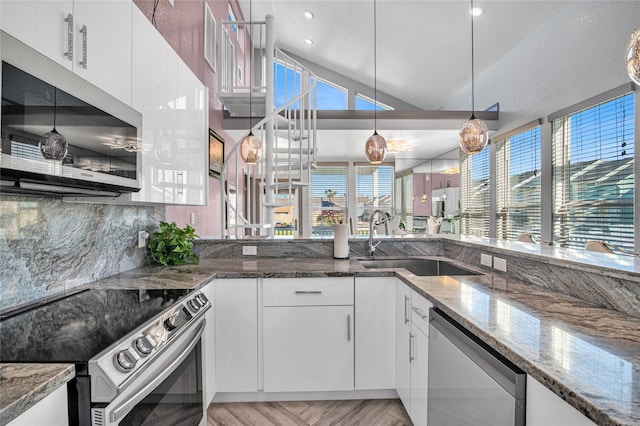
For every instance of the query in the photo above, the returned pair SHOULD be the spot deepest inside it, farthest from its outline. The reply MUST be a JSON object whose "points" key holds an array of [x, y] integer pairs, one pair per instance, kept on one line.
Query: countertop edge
{"points": [[42, 385]]}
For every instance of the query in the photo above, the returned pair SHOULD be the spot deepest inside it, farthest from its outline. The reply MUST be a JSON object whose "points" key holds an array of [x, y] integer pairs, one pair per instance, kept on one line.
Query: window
{"points": [[374, 190], [593, 174], [366, 103], [328, 193], [518, 184], [209, 37], [474, 193], [288, 84], [330, 96]]}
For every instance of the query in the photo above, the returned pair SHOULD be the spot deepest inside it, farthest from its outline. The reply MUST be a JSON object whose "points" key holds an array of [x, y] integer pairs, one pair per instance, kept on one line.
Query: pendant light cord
{"points": [[55, 102], [473, 89], [251, 66], [375, 70]]}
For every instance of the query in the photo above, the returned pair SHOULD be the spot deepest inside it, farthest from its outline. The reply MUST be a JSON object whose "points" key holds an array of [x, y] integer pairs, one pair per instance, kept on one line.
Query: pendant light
{"points": [[250, 145], [633, 56], [474, 134], [53, 145], [375, 149]]}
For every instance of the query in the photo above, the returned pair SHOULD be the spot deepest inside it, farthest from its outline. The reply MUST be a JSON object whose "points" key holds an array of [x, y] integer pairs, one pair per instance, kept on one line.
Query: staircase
{"points": [[274, 188]]}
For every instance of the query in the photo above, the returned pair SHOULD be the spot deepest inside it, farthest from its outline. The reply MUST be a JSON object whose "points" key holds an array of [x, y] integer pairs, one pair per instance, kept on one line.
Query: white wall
{"points": [[578, 53]]}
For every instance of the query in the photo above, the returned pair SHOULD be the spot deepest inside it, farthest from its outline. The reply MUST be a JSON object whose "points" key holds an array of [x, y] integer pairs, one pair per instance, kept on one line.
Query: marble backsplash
{"points": [[617, 291], [316, 248], [601, 288], [48, 246]]}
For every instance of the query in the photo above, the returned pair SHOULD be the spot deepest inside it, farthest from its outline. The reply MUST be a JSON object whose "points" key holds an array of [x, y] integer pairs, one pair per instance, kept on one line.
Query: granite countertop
{"points": [[23, 385], [589, 356]]}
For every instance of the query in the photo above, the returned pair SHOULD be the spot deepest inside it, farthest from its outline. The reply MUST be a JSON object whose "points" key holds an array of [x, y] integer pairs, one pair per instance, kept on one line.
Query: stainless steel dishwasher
{"points": [[470, 383]]}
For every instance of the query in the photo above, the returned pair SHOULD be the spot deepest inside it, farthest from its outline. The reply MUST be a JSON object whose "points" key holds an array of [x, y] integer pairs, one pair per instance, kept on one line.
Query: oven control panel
{"points": [[113, 369]]}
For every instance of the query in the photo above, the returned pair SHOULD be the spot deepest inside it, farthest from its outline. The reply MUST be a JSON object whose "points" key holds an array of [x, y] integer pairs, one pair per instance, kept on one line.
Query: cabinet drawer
{"points": [[307, 291], [420, 311]]}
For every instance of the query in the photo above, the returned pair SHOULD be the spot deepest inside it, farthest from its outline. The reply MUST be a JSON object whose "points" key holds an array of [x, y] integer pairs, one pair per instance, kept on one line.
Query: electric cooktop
{"points": [[75, 328]]}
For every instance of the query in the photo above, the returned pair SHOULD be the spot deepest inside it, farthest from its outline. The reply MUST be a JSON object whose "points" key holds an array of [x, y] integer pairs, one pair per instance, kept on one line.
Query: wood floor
{"points": [[368, 412]]}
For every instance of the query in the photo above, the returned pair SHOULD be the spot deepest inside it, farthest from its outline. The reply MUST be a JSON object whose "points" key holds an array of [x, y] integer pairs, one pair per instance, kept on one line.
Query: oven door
{"points": [[169, 392]]}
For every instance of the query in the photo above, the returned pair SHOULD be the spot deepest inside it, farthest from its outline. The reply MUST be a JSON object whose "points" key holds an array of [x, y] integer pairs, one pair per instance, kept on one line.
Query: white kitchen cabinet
{"points": [[375, 332], [41, 25], [546, 408], [308, 334], [236, 335], [419, 376], [173, 104], [50, 411], [308, 348], [209, 348], [101, 28], [412, 328], [192, 137], [107, 64], [403, 332]]}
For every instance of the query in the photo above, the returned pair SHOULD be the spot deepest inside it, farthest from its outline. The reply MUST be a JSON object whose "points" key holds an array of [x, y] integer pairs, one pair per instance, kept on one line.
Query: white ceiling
{"points": [[423, 55]]}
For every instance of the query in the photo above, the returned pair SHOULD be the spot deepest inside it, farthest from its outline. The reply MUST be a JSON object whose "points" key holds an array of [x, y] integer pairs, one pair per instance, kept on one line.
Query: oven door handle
{"points": [[165, 370]]}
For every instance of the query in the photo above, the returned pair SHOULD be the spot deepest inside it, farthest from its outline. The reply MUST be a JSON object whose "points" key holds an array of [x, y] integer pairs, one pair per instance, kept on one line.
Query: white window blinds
{"points": [[518, 185], [594, 174], [328, 194], [374, 190], [474, 193]]}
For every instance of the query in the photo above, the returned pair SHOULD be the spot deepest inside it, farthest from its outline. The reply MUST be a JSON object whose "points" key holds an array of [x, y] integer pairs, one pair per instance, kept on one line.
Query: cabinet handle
{"points": [[69, 52], [420, 313], [83, 63], [406, 317], [348, 328], [308, 292], [411, 357]]}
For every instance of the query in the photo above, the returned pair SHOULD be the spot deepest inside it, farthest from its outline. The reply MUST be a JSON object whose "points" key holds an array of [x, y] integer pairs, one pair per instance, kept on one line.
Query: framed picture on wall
{"points": [[216, 154]]}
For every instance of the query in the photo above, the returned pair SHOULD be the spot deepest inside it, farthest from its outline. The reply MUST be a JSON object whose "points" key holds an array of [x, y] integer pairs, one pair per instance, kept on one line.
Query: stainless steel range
{"points": [[137, 353]]}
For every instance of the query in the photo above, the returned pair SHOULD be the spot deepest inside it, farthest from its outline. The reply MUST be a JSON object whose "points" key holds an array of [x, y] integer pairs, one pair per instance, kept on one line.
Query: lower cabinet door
{"points": [[308, 348], [419, 365], [403, 332]]}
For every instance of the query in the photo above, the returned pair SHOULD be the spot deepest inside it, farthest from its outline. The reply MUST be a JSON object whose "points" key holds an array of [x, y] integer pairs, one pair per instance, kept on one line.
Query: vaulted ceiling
{"points": [[423, 54]]}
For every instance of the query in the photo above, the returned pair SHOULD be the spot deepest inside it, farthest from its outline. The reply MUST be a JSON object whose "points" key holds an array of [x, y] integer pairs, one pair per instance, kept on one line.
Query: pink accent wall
{"points": [[424, 183], [183, 27]]}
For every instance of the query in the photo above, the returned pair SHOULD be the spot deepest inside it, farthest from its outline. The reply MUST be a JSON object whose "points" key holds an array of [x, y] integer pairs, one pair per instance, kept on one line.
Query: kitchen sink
{"points": [[420, 267]]}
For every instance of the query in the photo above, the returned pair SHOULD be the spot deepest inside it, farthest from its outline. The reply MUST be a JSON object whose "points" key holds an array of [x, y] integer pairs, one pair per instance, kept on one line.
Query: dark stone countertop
{"points": [[24, 385], [589, 356]]}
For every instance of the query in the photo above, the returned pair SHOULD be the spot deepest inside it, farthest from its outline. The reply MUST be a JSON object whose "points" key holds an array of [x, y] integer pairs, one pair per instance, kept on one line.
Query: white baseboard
{"points": [[304, 396]]}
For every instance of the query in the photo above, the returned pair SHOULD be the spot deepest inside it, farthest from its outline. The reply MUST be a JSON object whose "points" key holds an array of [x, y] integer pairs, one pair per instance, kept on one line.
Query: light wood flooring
{"points": [[368, 412]]}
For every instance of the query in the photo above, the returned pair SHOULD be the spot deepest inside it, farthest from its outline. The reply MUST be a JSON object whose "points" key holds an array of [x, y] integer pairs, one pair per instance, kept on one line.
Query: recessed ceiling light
{"points": [[308, 14], [476, 11], [308, 41]]}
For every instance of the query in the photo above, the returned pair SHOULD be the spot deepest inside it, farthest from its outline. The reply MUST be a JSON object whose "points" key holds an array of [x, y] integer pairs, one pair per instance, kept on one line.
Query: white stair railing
{"points": [[287, 131]]}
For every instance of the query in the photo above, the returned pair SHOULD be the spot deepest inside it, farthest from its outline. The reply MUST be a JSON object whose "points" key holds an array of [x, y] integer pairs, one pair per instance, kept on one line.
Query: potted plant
{"points": [[173, 245]]}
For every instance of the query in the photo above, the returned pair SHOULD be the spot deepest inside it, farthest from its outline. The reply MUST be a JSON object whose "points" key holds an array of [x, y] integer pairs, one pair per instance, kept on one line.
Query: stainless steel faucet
{"points": [[385, 219]]}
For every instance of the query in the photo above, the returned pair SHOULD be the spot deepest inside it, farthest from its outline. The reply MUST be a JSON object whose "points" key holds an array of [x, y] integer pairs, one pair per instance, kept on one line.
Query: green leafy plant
{"points": [[173, 245]]}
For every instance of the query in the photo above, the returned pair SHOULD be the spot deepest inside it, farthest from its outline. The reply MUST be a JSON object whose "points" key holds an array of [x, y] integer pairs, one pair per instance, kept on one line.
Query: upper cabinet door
{"points": [[102, 48], [42, 26], [192, 138], [90, 37], [153, 94]]}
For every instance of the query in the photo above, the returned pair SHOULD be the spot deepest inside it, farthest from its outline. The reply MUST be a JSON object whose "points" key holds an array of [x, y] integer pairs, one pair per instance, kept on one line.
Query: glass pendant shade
{"points": [[633, 56], [375, 149], [474, 136], [251, 149], [53, 145]]}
